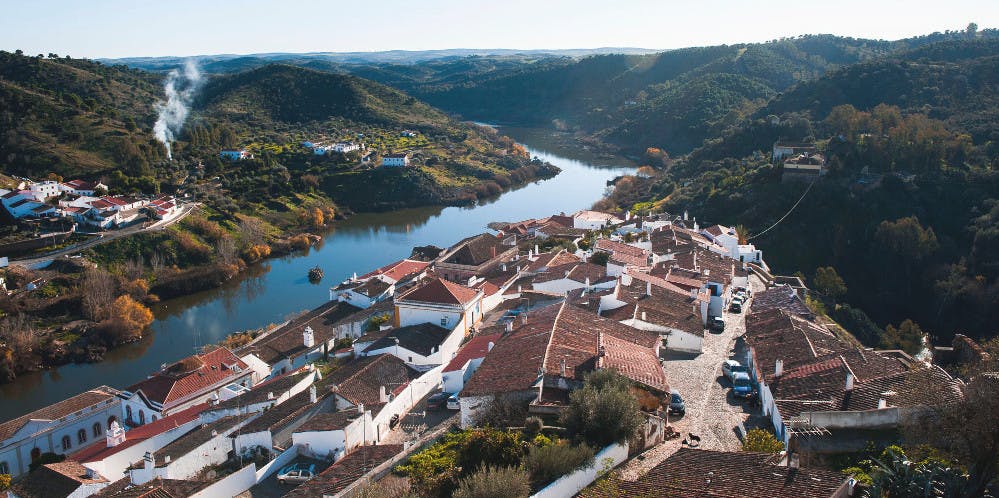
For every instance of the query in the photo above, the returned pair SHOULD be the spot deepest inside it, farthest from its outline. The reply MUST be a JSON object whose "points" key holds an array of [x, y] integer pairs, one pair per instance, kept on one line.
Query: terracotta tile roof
{"points": [[637, 363], [777, 335], [781, 297], [615, 247], [719, 268], [197, 437], [158, 488], [553, 258], [421, 338], [58, 410], [441, 291], [477, 250], [191, 376], [673, 310], [55, 480], [288, 342], [477, 347], [345, 471], [360, 380], [98, 450], [400, 270], [283, 414], [515, 362], [716, 230], [326, 421], [716, 474], [263, 391]]}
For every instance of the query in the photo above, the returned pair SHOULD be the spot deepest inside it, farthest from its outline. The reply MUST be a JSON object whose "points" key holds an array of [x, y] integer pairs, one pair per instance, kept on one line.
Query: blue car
{"points": [[741, 385]]}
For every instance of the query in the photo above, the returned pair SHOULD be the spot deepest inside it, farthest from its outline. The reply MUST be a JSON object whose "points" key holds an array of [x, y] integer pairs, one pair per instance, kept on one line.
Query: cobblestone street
{"points": [[713, 414]]}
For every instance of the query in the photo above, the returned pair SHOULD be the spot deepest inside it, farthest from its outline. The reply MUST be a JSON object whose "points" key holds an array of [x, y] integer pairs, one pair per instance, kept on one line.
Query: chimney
{"points": [[270, 395], [312, 394], [382, 395], [503, 266], [562, 367], [360, 408], [779, 369], [644, 317], [849, 381], [587, 284], [509, 327], [308, 338], [115, 435], [520, 288], [166, 459], [882, 404], [648, 288], [494, 251], [489, 347], [91, 474], [148, 461], [536, 250]]}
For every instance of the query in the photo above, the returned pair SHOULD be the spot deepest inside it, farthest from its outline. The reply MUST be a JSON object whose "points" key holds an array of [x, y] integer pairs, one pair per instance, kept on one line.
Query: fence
{"points": [[280, 461], [231, 485], [569, 485]]}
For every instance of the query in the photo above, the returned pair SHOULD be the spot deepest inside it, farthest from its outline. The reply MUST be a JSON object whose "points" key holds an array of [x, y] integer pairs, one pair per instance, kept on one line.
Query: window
{"points": [[152, 418], [97, 430], [66, 443], [4, 468], [443, 321], [81, 436], [112, 419], [128, 413], [142, 417], [35, 453]]}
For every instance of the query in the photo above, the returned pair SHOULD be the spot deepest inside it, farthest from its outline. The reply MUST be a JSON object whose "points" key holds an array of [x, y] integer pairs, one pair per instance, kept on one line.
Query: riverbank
{"points": [[278, 287]]}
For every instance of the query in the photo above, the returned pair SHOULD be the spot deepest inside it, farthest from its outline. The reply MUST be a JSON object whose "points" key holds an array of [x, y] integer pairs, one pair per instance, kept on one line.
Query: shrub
{"points": [[44, 458], [256, 253], [548, 463], [603, 411], [205, 228], [761, 441], [532, 427], [4, 482], [493, 482], [490, 447]]}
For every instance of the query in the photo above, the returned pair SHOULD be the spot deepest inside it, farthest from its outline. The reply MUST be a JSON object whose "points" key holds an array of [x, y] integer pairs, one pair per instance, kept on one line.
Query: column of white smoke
{"points": [[179, 88]]}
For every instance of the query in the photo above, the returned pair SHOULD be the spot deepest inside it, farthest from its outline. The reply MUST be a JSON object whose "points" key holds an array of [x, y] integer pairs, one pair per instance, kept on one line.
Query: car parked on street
{"points": [[732, 367], [299, 472], [742, 387], [716, 323], [437, 401], [453, 403], [735, 307], [676, 404]]}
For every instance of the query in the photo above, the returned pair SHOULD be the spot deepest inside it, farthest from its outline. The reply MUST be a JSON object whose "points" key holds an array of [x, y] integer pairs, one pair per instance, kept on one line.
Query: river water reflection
{"points": [[270, 292]]}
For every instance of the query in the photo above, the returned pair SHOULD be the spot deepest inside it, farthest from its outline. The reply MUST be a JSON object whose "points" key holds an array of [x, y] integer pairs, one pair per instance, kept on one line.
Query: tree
{"points": [[907, 238], [128, 318], [971, 30], [908, 337], [828, 283], [489, 448], [99, 292], [966, 430], [495, 482], [600, 258], [603, 411], [761, 441], [896, 475]]}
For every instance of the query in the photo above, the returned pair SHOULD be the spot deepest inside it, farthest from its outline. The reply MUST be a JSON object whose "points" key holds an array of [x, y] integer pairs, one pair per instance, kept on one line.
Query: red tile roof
{"points": [[55, 480], [475, 348], [634, 362], [190, 376], [99, 450], [613, 246], [441, 291], [58, 410], [399, 270], [360, 381], [346, 471]]}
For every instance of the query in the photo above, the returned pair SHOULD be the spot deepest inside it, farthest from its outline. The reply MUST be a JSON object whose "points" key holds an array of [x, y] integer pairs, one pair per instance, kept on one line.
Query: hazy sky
{"points": [[122, 28]]}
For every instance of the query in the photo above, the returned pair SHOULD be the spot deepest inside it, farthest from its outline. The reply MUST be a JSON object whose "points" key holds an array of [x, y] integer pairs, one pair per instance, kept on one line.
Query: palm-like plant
{"points": [[897, 476]]}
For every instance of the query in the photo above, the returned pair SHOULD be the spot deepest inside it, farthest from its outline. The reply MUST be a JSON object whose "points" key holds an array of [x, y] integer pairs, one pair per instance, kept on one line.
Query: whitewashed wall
{"points": [[277, 464], [116, 464], [569, 485], [230, 485]]}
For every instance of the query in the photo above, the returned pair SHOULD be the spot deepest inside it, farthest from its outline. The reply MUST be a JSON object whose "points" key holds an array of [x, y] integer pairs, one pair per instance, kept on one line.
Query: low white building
{"points": [[395, 160], [593, 220], [466, 361], [421, 346], [452, 306], [332, 435], [235, 154], [186, 457]]}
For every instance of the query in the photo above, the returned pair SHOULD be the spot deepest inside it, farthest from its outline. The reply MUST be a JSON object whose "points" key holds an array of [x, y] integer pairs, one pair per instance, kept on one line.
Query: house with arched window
{"points": [[61, 428]]}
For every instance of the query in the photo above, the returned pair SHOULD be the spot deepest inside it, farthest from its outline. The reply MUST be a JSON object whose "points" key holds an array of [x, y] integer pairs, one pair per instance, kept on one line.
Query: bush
{"points": [[603, 411], [548, 463], [761, 441], [490, 447], [208, 229], [256, 253], [532, 427], [44, 458], [492, 482], [4, 482]]}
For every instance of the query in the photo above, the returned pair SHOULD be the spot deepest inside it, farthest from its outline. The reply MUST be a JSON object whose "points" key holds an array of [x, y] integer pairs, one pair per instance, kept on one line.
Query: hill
{"points": [[908, 213]]}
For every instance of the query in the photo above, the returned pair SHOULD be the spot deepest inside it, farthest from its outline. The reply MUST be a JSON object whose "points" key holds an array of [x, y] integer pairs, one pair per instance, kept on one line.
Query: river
{"points": [[270, 292]]}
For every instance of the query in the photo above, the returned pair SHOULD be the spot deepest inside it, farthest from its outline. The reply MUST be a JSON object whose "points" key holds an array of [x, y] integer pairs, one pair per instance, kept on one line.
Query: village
{"points": [[711, 343]]}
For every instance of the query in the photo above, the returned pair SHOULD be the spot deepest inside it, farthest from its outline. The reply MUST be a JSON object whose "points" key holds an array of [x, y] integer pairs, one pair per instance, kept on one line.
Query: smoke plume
{"points": [[179, 88]]}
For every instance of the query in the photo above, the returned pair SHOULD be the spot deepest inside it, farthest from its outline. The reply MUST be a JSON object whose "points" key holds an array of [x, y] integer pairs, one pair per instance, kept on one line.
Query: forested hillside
{"points": [[908, 213]]}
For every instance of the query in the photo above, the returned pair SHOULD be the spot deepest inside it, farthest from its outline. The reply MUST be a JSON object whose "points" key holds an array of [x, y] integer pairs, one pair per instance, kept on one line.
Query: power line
{"points": [[788, 213]]}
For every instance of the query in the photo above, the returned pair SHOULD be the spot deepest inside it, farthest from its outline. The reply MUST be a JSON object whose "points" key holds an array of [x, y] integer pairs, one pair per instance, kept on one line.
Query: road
{"points": [[713, 414], [105, 237], [271, 488]]}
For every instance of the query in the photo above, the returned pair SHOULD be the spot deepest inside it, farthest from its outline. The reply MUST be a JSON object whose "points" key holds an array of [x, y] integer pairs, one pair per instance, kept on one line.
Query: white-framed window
{"points": [[444, 321]]}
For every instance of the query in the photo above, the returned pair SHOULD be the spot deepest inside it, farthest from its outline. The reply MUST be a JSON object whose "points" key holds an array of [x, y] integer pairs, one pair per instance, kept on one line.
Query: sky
{"points": [[133, 28]]}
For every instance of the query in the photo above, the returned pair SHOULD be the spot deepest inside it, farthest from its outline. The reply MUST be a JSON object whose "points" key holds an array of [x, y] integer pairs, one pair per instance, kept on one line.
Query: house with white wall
{"points": [[453, 306], [188, 382], [235, 154], [466, 361], [421, 346], [593, 220], [189, 454], [60, 428], [395, 160], [331, 435], [82, 187]]}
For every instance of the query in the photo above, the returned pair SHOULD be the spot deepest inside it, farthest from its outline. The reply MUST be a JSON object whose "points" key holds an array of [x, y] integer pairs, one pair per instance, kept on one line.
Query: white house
{"points": [[45, 189], [466, 361], [395, 160], [187, 456], [345, 147], [421, 346], [82, 188], [364, 293], [67, 479], [593, 220], [452, 306], [60, 428], [186, 383], [332, 435]]}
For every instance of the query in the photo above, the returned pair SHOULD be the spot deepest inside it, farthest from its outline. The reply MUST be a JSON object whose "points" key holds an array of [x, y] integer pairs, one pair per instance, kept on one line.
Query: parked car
{"points": [[394, 421], [739, 299], [741, 295], [742, 387], [676, 402], [437, 401], [735, 307], [732, 367], [452, 402], [716, 323], [300, 472]]}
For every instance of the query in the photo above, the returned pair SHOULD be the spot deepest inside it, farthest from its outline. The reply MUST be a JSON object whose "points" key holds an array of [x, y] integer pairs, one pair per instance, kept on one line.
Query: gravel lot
{"points": [[713, 414]]}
